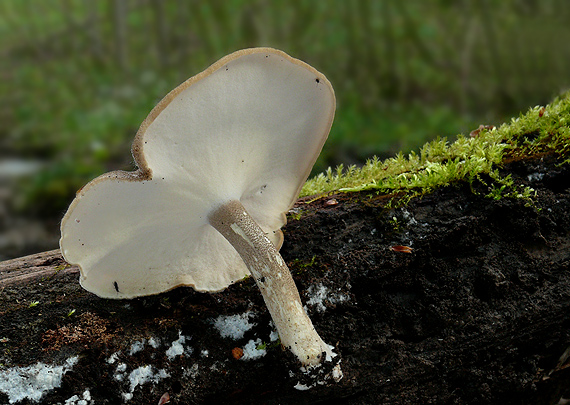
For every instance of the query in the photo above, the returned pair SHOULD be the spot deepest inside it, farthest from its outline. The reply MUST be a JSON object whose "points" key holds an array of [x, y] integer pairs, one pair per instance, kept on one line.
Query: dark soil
{"points": [[477, 313]]}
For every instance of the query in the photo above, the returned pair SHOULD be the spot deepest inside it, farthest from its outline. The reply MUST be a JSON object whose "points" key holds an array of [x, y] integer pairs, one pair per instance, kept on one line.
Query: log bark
{"points": [[31, 268]]}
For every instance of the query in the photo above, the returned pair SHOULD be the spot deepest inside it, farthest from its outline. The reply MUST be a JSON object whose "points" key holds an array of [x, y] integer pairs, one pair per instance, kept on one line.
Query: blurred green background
{"points": [[77, 77]]}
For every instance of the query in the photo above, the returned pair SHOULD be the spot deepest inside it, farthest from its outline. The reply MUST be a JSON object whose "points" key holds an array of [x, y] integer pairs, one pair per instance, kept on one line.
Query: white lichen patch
{"points": [[137, 347], [154, 343], [143, 375], [130, 378], [32, 382], [113, 358], [253, 350], [85, 399], [177, 347], [318, 377], [233, 326], [319, 294], [273, 336], [120, 372]]}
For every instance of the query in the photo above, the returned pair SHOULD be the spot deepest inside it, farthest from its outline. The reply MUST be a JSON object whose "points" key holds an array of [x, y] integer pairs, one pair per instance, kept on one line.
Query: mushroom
{"points": [[220, 159]]}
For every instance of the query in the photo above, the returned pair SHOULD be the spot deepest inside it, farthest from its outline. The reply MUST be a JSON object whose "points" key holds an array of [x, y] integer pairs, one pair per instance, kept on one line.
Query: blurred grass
{"points": [[78, 77]]}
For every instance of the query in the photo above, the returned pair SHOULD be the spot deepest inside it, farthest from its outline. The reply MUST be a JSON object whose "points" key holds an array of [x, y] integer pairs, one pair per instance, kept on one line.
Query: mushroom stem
{"points": [[273, 278]]}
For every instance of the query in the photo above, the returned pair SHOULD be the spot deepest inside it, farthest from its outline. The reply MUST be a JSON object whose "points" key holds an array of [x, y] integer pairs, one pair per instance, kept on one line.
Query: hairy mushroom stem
{"points": [[273, 278]]}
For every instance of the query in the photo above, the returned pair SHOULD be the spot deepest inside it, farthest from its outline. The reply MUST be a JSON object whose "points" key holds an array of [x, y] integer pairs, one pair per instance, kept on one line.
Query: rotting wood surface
{"points": [[34, 267], [478, 312]]}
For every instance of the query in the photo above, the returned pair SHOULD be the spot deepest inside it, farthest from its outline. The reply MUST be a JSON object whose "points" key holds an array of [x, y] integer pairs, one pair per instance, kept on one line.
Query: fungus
{"points": [[220, 159]]}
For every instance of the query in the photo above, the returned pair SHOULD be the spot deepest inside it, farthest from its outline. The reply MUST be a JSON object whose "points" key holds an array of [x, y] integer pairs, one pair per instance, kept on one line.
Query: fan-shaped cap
{"points": [[248, 128]]}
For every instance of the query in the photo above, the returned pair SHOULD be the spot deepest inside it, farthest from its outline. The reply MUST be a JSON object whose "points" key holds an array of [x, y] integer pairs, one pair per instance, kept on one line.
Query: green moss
{"points": [[299, 265], [440, 163], [303, 265], [395, 224], [295, 214], [505, 187]]}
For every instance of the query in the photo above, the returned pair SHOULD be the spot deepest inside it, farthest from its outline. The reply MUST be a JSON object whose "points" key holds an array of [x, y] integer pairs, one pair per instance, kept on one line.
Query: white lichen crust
{"points": [[274, 279]]}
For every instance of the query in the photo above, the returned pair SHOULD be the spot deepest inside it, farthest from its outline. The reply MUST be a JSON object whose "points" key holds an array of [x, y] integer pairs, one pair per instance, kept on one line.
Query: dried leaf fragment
{"points": [[401, 249], [482, 127], [237, 352], [164, 399]]}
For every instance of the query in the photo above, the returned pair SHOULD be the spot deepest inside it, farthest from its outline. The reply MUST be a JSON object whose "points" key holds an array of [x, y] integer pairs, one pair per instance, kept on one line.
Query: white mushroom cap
{"points": [[248, 128]]}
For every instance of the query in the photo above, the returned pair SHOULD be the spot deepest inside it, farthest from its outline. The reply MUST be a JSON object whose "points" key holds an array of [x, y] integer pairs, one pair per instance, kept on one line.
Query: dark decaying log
{"points": [[477, 311]]}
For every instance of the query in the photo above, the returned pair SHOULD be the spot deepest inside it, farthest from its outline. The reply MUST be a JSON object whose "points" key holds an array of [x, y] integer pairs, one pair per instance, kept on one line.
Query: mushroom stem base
{"points": [[273, 278]]}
